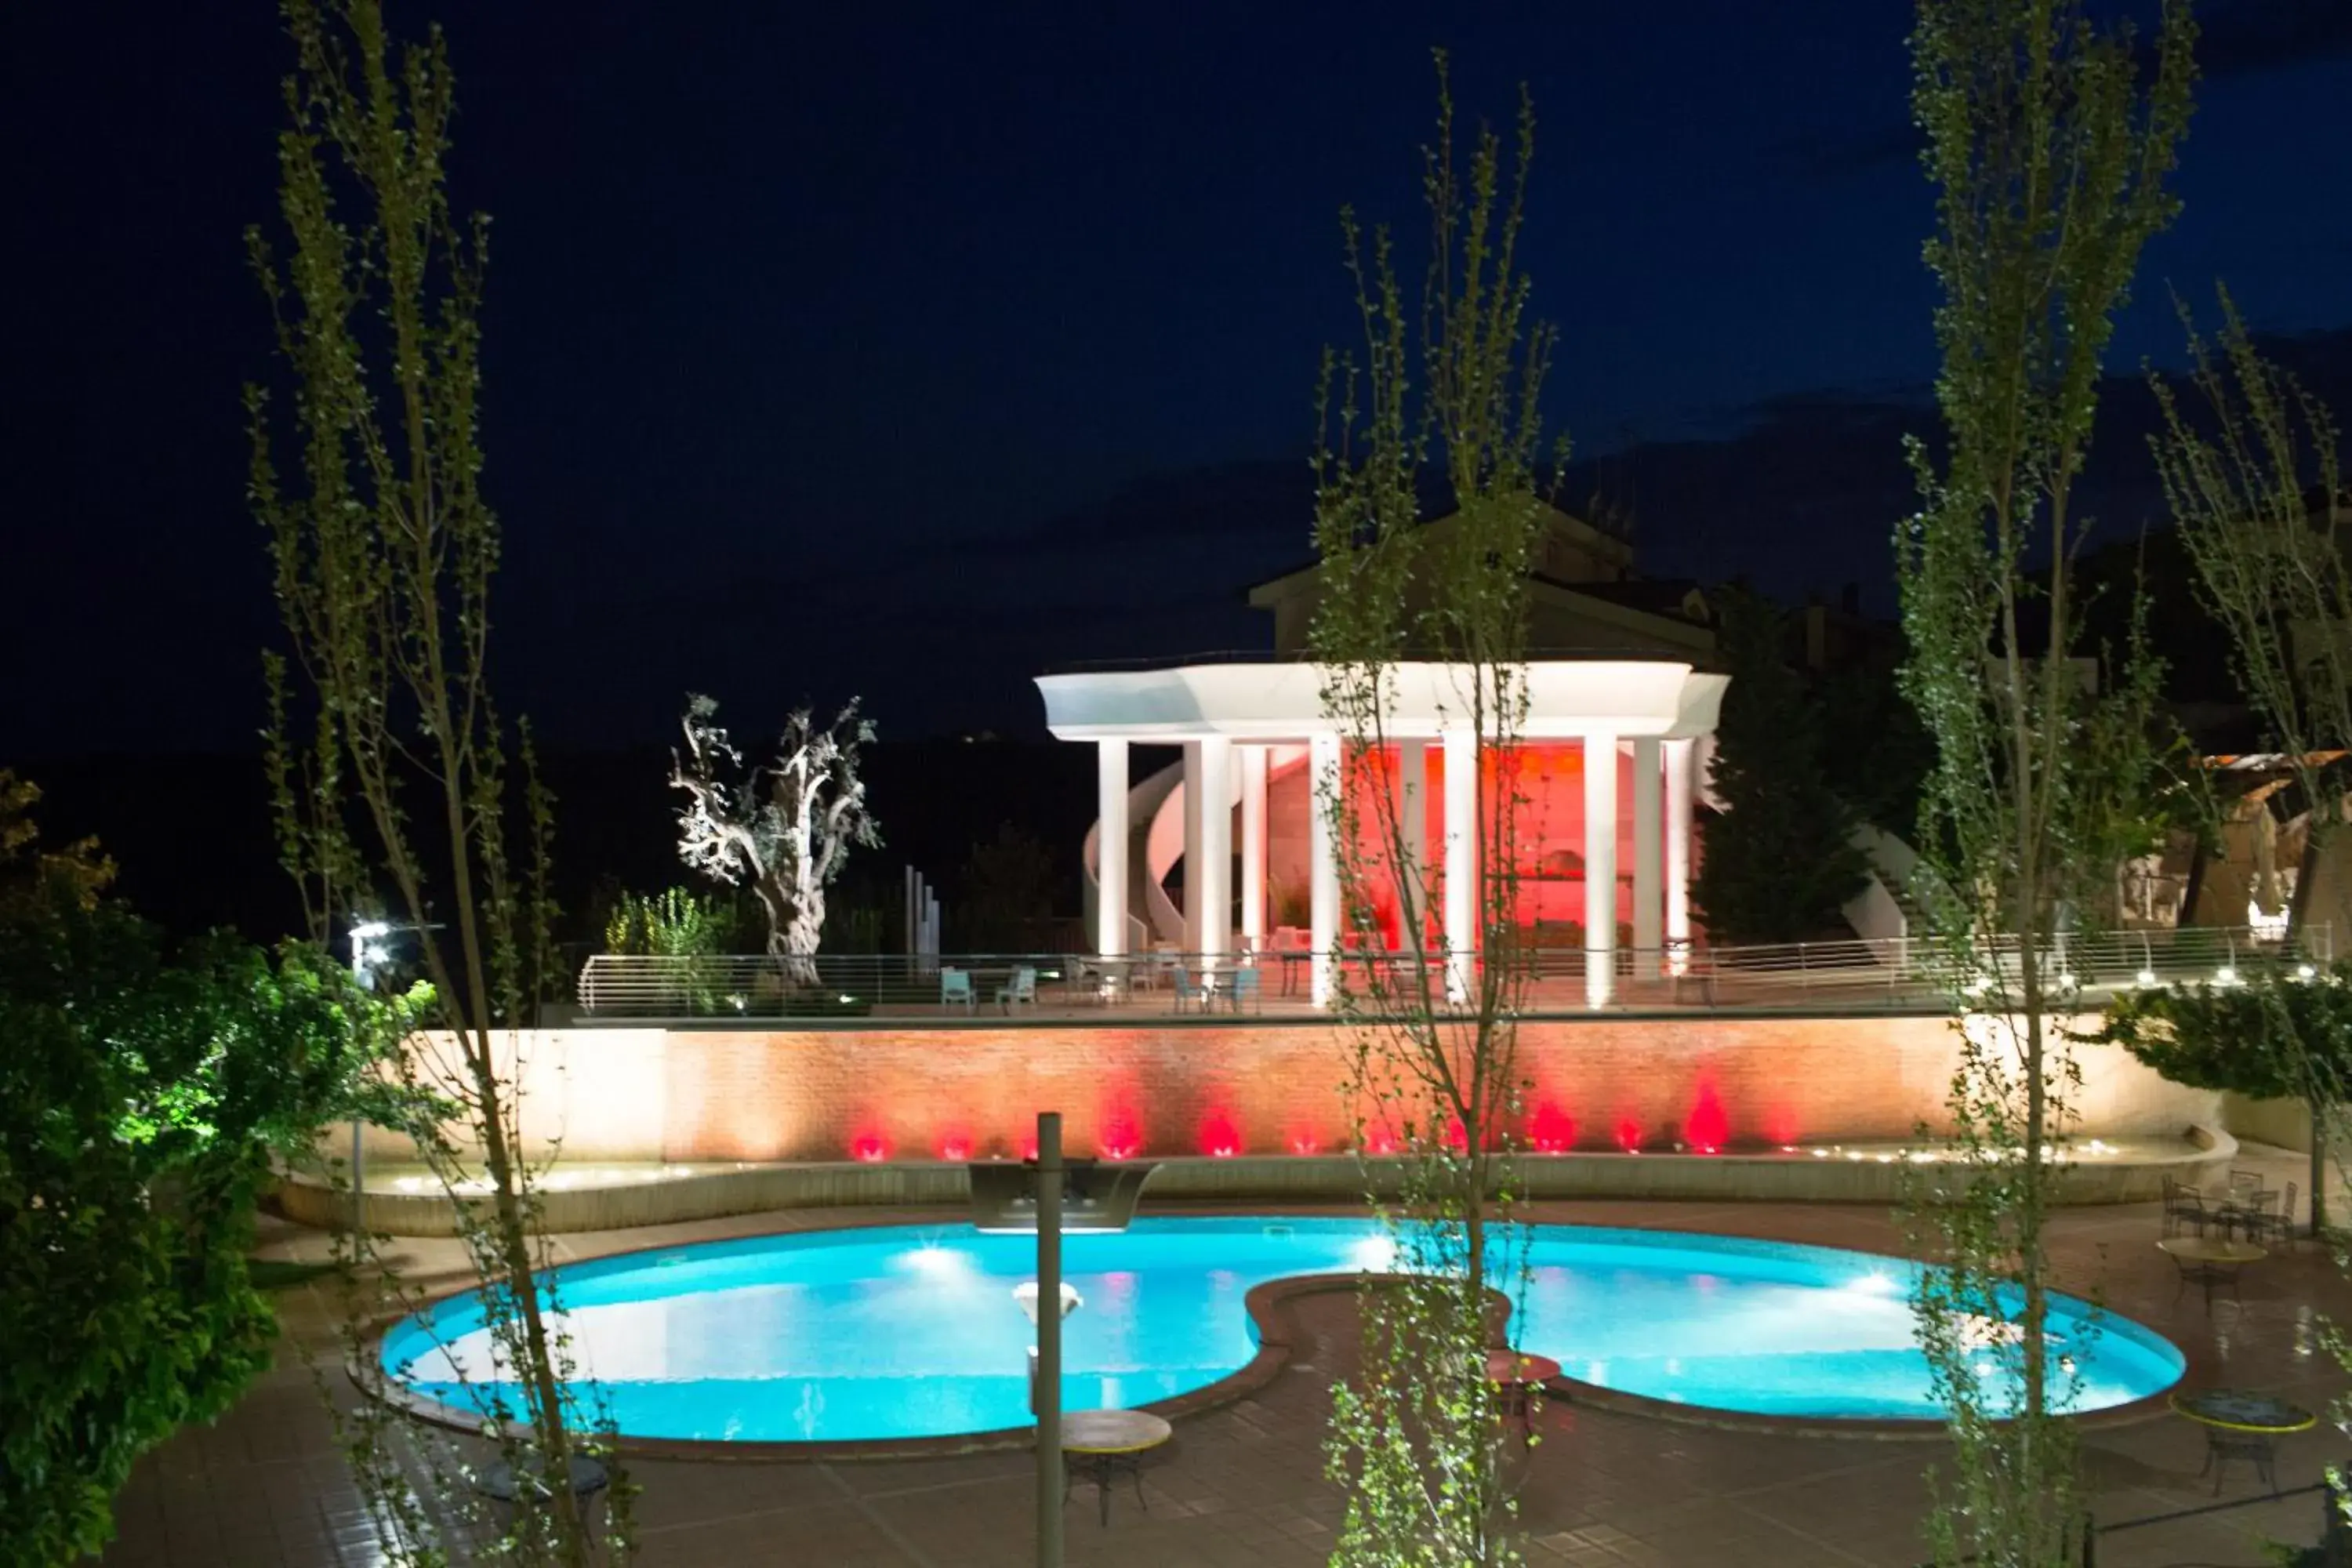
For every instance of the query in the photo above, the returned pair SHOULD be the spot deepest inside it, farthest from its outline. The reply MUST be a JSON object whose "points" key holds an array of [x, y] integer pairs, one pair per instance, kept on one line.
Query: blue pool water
{"points": [[912, 1331]]}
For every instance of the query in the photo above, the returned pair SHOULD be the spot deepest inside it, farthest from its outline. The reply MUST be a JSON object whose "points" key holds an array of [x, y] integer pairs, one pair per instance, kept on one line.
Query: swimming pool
{"points": [[912, 1331]]}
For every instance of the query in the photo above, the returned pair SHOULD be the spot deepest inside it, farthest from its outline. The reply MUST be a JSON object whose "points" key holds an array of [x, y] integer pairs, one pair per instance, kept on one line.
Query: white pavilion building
{"points": [[1607, 846]]}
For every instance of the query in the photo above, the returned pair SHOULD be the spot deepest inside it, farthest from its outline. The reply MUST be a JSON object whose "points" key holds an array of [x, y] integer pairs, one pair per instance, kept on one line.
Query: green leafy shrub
{"points": [[141, 1094], [679, 923]]}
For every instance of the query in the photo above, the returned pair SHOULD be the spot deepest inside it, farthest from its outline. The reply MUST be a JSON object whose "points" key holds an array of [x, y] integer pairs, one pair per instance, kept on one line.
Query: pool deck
{"points": [[1242, 1484]]}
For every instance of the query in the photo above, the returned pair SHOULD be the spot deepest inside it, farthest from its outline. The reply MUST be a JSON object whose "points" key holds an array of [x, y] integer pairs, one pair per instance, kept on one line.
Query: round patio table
{"points": [[1516, 1375], [497, 1482], [2240, 1425], [1101, 1443]]}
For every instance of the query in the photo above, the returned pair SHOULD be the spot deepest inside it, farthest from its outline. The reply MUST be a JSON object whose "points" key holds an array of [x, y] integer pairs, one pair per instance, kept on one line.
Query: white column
{"points": [[1112, 838], [1600, 868], [1678, 853], [1412, 810], [1216, 847], [1253, 762], [1323, 864], [1460, 860], [1192, 792], [1649, 841]]}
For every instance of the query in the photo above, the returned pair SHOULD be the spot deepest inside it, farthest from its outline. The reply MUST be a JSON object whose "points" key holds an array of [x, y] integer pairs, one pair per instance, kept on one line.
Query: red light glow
{"points": [[1379, 1140], [1709, 1128], [1220, 1139], [1629, 1135], [1455, 1138], [870, 1148], [1119, 1140], [1029, 1146], [1304, 1141], [1780, 1126], [1552, 1130], [955, 1148]]}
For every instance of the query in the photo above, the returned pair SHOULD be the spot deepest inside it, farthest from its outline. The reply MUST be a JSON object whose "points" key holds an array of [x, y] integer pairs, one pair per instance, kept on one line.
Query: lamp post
{"points": [[368, 954], [1032, 1197], [1047, 1390]]}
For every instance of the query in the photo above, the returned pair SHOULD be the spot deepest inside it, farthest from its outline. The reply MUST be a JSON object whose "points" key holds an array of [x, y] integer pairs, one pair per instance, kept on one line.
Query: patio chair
{"points": [[2245, 1186], [1021, 987], [1245, 988], [2184, 1208], [2267, 1224], [1187, 990], [955, 985]]}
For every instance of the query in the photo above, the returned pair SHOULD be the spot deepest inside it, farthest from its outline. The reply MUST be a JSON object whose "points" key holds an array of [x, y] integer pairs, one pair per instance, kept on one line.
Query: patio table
{"points": [[1516, 1375], [588, 1477], [2240, 1425], [1101, 1443]]}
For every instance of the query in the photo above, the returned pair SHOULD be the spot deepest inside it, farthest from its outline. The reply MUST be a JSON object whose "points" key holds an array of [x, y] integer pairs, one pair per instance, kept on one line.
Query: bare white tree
{"points": [[784, 827]]}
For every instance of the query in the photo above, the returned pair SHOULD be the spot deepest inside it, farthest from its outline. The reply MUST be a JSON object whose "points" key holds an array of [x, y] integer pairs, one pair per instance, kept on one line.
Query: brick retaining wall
{"points": [[906, 1091]]}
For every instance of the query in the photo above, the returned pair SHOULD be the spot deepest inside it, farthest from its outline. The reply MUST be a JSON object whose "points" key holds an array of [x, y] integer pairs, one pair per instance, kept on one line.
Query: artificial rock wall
{"points": [[955, 1092]]}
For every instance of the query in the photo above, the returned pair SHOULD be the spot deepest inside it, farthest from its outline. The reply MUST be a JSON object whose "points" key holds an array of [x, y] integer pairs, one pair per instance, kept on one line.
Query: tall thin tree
{"points": [[1450, 381], [2051, 164], [385, 549], [2253, 478]]}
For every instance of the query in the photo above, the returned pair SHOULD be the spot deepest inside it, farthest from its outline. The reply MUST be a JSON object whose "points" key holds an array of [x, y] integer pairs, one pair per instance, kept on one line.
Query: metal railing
{"points": [[1904, 973], [2333, 1549]]}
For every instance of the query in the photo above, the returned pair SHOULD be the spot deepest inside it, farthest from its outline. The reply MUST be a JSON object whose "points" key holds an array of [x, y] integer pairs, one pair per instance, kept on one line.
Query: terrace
{"points": [[1884, 976]]}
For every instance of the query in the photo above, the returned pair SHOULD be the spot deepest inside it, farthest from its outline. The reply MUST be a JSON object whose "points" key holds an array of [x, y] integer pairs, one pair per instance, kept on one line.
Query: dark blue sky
{"points": [[880, 350]]}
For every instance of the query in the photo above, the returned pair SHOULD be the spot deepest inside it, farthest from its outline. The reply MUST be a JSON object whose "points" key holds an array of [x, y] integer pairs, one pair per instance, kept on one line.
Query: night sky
{"points": [[908, 351]]}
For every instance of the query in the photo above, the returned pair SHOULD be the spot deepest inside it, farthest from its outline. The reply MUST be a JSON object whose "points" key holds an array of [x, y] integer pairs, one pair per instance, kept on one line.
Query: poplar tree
{"points": [[1450, 381], [2050, 160], [385, 548]]}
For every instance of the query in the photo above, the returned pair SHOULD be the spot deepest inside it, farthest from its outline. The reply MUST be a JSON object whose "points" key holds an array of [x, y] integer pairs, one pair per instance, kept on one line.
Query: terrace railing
{"points": [[1895, 974]]}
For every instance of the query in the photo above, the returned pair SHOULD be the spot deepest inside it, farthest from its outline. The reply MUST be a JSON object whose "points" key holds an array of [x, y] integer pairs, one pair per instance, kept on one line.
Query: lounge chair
{"points": [[1021, 987], [955, 985]]}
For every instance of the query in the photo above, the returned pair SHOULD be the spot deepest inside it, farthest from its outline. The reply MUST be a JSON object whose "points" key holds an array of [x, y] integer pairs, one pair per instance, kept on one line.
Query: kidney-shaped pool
{"points": [[912, 1331]]}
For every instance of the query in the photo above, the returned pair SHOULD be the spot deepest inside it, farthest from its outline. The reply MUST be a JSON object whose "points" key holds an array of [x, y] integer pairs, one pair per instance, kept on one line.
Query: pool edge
{"points": [[1278, 1330]]}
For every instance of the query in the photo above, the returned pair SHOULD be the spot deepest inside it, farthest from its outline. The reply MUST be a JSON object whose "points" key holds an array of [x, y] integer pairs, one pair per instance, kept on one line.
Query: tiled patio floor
{"points": [[1243, 1485]]}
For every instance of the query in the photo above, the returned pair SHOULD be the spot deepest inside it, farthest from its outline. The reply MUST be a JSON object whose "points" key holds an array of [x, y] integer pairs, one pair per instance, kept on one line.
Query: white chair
{"points": [[955, 985], [1021, 987]]}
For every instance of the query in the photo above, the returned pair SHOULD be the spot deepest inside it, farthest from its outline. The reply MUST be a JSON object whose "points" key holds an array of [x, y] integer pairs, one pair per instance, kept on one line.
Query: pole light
{"points": [[369, 953], [1051, 1197]]}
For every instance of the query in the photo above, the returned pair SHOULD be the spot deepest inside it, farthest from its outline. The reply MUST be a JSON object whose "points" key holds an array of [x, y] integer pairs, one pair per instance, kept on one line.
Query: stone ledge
{"points": [[2133, 1174]]}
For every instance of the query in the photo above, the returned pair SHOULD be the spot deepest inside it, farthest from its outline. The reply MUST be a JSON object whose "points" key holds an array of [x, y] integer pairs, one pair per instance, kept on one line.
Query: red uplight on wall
{"points": [[1456, 1139], [955, 1148], [1781, 1127], [870, 1148], [1629, 1135], [1119, 1139], [1708, 1128], [1304, 1141], [1220, 1139], [1379, 1140], [1552, 1129], [1029, 1146]]}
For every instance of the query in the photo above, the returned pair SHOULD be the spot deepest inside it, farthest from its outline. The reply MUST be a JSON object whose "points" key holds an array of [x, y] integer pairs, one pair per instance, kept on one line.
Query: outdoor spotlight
{"points": [[2226, 976], [2305, 972], [2145, 977], [368, 951], [1025, 1293]]}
